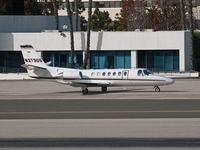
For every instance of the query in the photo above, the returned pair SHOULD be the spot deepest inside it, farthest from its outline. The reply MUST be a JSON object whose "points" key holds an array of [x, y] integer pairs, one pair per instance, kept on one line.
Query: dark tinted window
{"points": [[139, 73]]}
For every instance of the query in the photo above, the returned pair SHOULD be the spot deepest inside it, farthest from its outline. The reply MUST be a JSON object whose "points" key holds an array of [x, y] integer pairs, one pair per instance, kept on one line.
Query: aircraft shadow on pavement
{"points": [[95, 92], [101, 142]]}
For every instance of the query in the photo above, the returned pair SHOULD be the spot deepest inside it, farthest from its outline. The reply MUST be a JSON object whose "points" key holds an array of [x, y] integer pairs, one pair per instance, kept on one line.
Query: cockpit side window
{"points": [[139, 73], [80, 74], [146, 72]]}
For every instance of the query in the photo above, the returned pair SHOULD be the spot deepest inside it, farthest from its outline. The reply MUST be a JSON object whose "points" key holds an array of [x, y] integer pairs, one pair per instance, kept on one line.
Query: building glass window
{"points": [[79, 60], [120, 59], [110, 62], [168, 64], [110, 59], [112, 4], [176, 61], [11, 61], [107, 4], [102, 62], [159, 61], [117, 4], [101, 4], [63, 58]]}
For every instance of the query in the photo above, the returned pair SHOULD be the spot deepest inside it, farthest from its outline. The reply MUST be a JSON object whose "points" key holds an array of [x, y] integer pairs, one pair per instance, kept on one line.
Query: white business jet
{"points": [[85, 78]]}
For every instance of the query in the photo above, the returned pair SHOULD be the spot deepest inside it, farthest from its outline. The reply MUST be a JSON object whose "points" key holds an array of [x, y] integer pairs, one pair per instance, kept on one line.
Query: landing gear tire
{"points": [[84, 91], [104, 89], [157, 89]]}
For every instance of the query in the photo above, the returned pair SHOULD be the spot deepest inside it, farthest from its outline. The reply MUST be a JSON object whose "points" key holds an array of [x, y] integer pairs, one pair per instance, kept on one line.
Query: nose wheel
{"points": [[85, 91], [157, 89], [104, 89]]}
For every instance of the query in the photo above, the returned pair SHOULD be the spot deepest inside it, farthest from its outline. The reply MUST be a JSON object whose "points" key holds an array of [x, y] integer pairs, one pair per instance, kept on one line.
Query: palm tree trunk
{"points": [[56, 13], [45, 8], [85, 62], [76, 15], [71, 33], [182, 7], [191, 35]]}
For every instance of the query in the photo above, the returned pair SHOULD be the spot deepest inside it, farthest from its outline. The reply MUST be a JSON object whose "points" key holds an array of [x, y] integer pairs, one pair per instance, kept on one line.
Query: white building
{"points": [[159, 51]]}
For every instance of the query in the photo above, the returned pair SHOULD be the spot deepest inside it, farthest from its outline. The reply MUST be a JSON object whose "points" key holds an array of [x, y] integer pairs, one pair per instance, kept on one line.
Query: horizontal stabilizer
{"points": [[30, 67]]}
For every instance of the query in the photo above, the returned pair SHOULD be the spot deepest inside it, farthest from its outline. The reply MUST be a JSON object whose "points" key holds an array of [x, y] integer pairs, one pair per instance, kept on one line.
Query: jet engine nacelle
{"points": [[72, 75]]}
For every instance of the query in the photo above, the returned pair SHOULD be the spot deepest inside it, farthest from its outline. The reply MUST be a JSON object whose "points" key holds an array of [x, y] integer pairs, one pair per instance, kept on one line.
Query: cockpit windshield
{"points": [[147, 72]]}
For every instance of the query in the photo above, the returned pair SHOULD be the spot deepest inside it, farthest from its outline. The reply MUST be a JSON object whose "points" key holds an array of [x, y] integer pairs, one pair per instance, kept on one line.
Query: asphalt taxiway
{"points": [[47, 115], [42, 89]]}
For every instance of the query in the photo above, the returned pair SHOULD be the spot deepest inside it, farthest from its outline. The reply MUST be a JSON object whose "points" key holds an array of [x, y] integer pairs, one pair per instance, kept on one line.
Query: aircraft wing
{"points": [[89, 83]]}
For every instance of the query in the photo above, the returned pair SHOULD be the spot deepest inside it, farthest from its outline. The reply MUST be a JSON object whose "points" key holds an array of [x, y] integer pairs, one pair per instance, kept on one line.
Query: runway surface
{"points": [[100, 133], [98, 109]]}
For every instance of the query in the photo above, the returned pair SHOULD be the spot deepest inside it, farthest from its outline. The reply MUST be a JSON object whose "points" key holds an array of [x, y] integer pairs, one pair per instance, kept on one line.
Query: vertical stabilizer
{"points": [[31, 58], [33, 63]]}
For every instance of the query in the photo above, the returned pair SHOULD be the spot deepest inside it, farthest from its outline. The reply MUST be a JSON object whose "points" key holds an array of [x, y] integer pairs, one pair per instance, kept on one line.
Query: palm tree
{"points": [[182, 7], [45, 11], [55, 13], [71, 33], [191, 34], [76, 15], [85, 62]]}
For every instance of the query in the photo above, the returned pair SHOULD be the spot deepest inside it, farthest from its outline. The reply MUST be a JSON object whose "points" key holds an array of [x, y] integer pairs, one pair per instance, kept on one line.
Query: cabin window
{"points": [[119, 73], [109, 73], [139, 73], [103, 74], [92, 74], [125, 73], [98, 73], [114, 73]]}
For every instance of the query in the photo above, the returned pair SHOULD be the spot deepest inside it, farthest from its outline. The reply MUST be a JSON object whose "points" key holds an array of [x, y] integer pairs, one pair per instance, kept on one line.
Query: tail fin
{"points": [[31, 58], [33, 62]]}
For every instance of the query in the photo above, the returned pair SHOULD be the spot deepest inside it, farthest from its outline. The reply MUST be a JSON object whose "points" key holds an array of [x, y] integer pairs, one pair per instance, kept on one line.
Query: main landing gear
{"points": [[85, 91], [156, 88], [104, 89]]}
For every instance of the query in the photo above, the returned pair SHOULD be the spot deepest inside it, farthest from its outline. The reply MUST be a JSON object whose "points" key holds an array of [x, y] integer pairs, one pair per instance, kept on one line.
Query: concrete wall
{"points": [[134, 41], [31, 23], [99, 40]]}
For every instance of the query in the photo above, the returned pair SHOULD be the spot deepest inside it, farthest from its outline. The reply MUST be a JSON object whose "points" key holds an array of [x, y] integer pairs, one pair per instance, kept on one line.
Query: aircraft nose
{"points": [[169, 81]]}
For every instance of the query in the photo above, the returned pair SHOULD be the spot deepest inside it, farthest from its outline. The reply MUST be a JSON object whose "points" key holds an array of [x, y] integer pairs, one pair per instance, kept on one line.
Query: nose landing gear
{"points": [[156, 88]]}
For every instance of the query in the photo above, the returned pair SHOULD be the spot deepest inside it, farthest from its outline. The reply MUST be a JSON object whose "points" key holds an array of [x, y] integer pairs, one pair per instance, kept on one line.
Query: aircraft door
{"points": [[125, 74]]}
